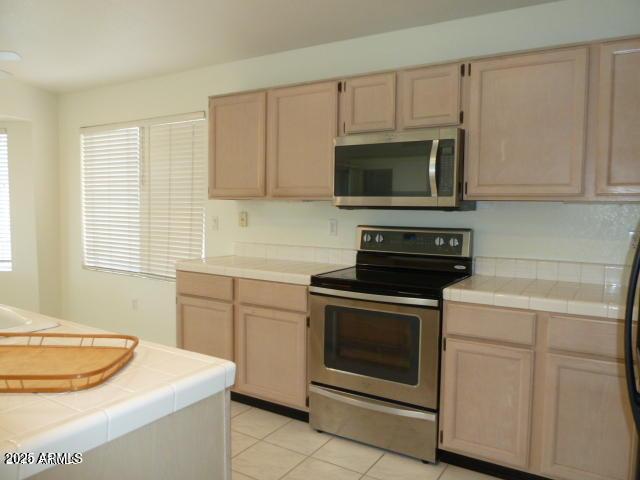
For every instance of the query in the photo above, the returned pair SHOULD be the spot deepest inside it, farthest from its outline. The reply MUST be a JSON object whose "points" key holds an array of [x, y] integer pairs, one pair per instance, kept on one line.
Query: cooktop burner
{"points": [[404, 262]]}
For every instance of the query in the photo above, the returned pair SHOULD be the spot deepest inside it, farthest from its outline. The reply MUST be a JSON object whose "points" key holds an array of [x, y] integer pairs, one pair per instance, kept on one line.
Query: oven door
{"points": [[385, 350], [406, 169]]}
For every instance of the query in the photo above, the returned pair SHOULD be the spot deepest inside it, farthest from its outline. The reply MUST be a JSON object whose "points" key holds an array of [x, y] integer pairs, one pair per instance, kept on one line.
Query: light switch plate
{"points": [[635, 239], [215, 222], [333, 227], [243, 219]]}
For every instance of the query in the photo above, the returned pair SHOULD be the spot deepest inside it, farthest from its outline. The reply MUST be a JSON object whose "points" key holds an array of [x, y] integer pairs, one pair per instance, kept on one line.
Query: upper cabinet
{"points": [[618, 121], [554, 125], [237, 126], [429, 96], [302, 123], [527, 120], [369, 103]]}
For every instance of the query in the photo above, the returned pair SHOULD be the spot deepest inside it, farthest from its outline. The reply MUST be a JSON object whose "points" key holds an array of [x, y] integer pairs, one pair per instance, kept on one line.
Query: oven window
{"points": [[376, 344]]}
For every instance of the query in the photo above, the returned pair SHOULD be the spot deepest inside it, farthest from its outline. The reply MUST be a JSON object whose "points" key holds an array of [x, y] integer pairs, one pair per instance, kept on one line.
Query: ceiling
{"points": [[77, 44]]}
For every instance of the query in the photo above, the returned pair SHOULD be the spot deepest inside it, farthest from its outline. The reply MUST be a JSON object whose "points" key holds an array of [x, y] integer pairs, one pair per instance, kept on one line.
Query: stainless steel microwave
{"points": [[416, 169]]}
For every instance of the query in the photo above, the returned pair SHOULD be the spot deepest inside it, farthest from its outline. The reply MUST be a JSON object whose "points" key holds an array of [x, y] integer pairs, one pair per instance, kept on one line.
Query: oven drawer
{"points": [[383, 424]]}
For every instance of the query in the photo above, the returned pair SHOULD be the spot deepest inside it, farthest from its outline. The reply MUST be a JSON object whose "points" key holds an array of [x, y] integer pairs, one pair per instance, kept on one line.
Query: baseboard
{"points": [[271, 407], [486, 467]]}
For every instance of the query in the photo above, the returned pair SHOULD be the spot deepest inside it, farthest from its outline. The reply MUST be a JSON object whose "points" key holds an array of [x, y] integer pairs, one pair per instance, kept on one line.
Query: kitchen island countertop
{"points": [[157, 382]]}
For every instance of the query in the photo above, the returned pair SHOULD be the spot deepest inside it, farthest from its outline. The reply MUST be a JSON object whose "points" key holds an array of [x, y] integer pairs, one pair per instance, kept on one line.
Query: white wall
{"points": [[553, 231], [31, 118]]}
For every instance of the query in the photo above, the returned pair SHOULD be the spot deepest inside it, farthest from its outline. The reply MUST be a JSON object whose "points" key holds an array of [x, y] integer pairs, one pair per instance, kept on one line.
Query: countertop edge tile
{"points": [[135, 412]]}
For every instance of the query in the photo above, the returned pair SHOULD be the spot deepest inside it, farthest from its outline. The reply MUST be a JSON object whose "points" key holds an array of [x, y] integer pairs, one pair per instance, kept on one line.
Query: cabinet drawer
{"points": [[490, 323], [272, 294], [586, 335], [204, 285]]}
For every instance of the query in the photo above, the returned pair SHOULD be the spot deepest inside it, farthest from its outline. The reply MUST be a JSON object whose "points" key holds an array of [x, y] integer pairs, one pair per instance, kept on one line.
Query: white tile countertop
{"points": [[560, 287], [258, 268], [158, 381]]}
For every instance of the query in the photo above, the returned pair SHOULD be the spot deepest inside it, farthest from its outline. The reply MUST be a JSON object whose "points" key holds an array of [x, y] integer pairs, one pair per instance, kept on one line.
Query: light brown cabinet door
{"points": [[486, 404], [587, 425], [429, 96], [271, 353], [205, 326], [237, 145], [527, 125], [618, 151], [302, 123], [369, 103]]}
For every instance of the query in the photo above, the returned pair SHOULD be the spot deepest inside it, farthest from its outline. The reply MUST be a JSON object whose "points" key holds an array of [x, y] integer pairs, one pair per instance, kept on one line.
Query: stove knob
{"points": [[366, 237], [454, 242], [379, 238], [439, 241]]}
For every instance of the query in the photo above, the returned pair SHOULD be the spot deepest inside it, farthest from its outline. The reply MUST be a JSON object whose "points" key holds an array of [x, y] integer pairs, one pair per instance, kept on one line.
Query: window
{"points": [[5, 216], [143, 193]]}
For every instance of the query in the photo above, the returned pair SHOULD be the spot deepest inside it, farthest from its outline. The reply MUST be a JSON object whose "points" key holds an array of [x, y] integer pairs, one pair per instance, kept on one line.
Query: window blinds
{"points": [[5, 218], [111, 199], [143, 196], [174, 193]]}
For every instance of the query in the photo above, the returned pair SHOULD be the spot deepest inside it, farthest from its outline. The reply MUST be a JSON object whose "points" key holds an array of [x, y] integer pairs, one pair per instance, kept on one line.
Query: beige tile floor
{"points": [[266, 446]]}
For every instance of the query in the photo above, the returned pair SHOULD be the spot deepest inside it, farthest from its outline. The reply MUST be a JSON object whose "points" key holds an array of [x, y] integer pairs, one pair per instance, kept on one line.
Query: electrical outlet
{"points": [[243, 219], [215, 222], [635, 239], [333, 227]]}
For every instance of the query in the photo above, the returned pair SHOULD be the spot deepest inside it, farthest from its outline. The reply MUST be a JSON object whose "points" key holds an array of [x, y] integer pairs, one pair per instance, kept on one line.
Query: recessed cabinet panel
{"points": [[205, 326], [618, 151], [271, 355], [237, 126], [587, 424], [527, 123], [302, 123], [369, 103], [429, 97], [486, 404]]}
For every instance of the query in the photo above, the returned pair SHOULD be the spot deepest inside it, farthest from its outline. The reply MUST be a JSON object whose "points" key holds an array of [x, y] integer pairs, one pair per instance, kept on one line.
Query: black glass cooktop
{"points": [[387, 281]]}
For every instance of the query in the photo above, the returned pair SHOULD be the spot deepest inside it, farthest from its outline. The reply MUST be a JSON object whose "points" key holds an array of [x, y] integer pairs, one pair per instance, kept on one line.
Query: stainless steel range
{"points": [[375, 337]]}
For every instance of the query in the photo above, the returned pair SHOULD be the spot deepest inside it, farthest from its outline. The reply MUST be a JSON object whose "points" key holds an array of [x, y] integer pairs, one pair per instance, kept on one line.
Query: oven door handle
{"points": [[433, 165], [425, 302], [371, 404]]}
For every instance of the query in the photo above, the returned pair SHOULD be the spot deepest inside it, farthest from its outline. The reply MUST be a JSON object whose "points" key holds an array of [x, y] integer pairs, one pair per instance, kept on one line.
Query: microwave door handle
{"points": [[433, 163]]}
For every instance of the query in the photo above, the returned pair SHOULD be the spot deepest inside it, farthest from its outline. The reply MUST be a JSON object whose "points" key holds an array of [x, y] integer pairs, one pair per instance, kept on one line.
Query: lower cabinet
{"points": [[487, 401], [540, 392], [587, 425], [205, 326], [271, 354]]}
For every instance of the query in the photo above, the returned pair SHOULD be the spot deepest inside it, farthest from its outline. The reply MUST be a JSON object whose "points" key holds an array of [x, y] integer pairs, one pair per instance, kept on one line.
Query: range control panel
{"points": [[450, 242]]}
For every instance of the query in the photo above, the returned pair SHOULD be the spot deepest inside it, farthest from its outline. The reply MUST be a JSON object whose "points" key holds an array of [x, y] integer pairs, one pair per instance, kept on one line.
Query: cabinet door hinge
{"points": [[462, 70], [469, 70], [461, 116], [308, 321], [444, 344], [339, 87], [465, 188], [306, 402], [441, 436], [344, 127]]}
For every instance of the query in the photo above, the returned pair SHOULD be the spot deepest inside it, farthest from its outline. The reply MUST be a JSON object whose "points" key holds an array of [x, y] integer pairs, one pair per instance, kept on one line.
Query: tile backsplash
{"points": [[337, 256], [595, 273]]}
